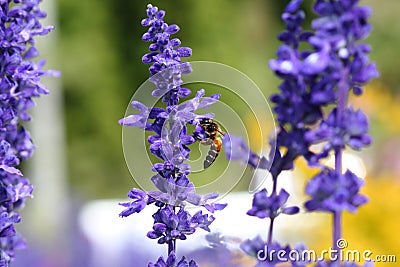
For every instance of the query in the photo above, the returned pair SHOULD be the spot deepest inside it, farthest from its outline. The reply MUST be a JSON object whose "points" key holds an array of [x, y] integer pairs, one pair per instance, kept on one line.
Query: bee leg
{"points": [[206, 142]]}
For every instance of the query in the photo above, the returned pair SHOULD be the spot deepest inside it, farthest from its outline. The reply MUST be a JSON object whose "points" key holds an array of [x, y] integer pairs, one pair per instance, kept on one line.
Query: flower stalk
{"points": [[314, 79], [170, 142], [19, 85]]}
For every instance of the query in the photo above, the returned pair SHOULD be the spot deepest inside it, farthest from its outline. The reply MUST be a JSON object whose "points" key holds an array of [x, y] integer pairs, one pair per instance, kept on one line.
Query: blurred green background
{"points": [[100, 58], [99, 53], [99, 50]]}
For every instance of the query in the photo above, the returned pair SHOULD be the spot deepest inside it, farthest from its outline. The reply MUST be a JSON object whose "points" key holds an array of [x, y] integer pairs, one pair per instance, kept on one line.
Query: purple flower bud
{"points": [[184, 52], [160, 14], [171, 29], [147, 37], [293, 6]]}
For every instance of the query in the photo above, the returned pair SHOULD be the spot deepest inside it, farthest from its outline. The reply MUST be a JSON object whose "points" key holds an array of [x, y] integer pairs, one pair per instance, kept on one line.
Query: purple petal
{"points": [[139, 106], [11, 170], [315, 63], [291, 210], [135, 193], [159, 227], [214, 207], [187, 139], [133, 120]]}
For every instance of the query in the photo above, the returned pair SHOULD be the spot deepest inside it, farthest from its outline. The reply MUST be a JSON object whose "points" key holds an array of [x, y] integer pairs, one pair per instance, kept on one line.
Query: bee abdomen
{"points": [[211, 156]]}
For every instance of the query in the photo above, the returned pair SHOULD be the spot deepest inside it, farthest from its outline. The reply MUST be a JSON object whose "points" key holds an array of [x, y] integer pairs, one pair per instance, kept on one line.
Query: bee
{"points": [[213, 137]]}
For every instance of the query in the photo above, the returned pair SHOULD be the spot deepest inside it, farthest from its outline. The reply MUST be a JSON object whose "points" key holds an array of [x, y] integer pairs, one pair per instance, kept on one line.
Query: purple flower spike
{"points": [[164, 54], [170, 142], [318, 68], [19, 85]]}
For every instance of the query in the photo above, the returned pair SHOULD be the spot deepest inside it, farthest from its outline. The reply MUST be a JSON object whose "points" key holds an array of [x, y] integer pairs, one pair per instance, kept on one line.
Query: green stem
{"points": [[172, 243], [270, 231], [341, 105]]}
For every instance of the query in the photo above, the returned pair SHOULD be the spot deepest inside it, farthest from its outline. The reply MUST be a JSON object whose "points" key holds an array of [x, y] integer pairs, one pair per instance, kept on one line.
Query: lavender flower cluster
{"points": [[19, 84], [314, 79], [169, 142]]}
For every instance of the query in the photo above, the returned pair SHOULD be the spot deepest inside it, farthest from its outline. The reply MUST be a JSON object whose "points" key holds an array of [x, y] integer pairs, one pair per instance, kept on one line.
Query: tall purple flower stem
{"points": [[19, 85], [314, 79], [343, 89], [170, 142]]}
